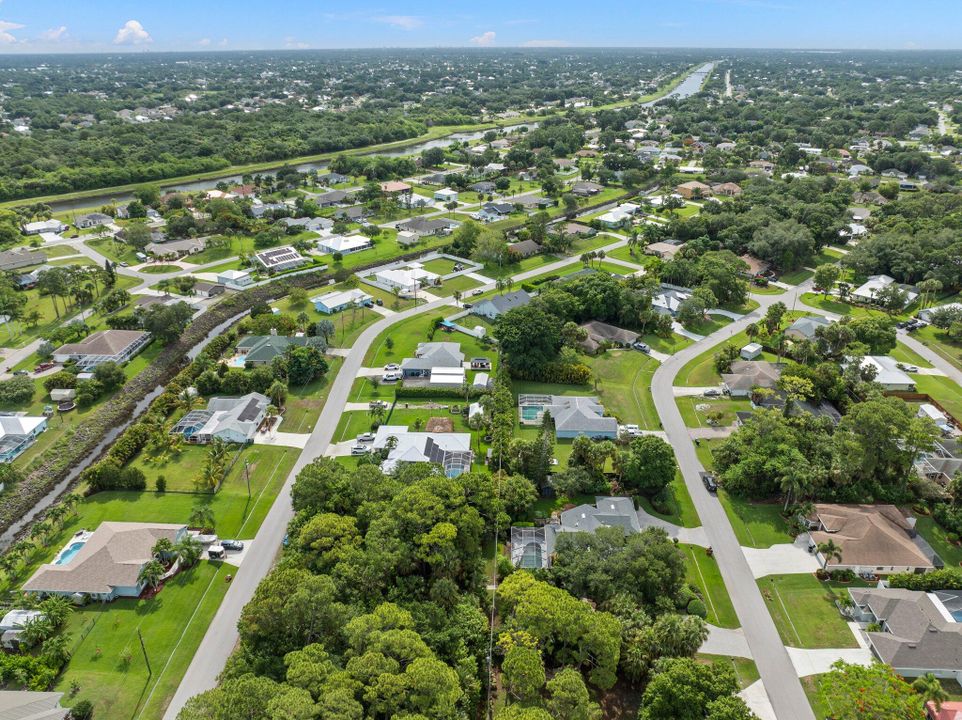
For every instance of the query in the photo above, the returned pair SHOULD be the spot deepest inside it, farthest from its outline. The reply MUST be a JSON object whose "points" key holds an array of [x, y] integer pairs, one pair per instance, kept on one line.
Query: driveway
{"points": [[282, 439], [726, 641], [679, 391], [788, 558], [689, 536]]}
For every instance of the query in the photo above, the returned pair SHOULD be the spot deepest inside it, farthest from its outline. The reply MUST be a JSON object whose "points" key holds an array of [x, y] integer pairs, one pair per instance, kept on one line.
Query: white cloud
{"points": [[54, 34], [204, 42], [292, 43], [5, 27], [405, 22], [484, 39], [132, 33], [545, 43]]}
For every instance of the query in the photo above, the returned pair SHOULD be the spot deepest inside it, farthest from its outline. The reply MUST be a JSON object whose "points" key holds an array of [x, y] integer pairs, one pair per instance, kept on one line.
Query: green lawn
{"points": [[172, 625], [236, 245], [905, 354], [159, 269], [623, 384], [304, 403], [796, 277], [529, 263], [757, 525], [463, 284], [832, 305], [746, 671], [708, 325], [804, 611], [669, 345], [695, 417], [624, 253], [702, 571], [677, 501], [934, 533], [348, 324], [406, 335], [938, 341], [766, 290], [943, 389], [115, 250]]}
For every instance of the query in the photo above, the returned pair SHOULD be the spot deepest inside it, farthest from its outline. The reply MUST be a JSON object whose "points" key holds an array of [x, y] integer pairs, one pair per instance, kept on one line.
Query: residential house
{"points": [[32, 705], [255, 350], [524, 248], [332, 198], [116, 346], [532, 202], [428, 226], [176, 248], [395, 187], [586, 188], [745, 375], [804, 328], [279, 259], [496, 305], [355, 213], [493, 211], [763, 165], [208, 289], [619, 216], [886, 372], [338, 300], [859, 169], [446, 195], [333, 178], [235, 278], [728, 189], [926, 314], [344, 244], [573, 228], [452, 451], [694, 189], [664, 250], [572, 415], [602, 334], [305, 224], [259, 210], [532, 547], [106, 564], [17, 433], [484, 187], [439, 363], [20, 257], [939, 418], [668, 298], [950, 710], [867, 292], [92, 220], [229, 419], [44, 226], [494, 168], [914, 632], [875, 539], [408, 280]]}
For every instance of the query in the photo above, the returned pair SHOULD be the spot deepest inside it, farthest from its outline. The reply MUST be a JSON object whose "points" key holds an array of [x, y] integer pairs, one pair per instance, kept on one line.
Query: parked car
{"points": [[630, 431], [467, 306], [391, 377], [712, 392], [124, 264], [43, 366], [907, 368], [360, 450], [235, 545], [708, 480], [641, 346], [478, 292], [21, 373], [392, 367], [379, 302], [365, 437]]}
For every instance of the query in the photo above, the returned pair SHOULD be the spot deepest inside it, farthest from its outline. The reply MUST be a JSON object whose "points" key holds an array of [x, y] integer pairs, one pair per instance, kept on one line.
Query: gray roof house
{"points": [[496, 305], [919, 632], [804, 327], [532, 548], [103, 346], [262, 349], [233, 420], [668, 298], [31, 705], [431, 355], [573, 415], [93, 220], [600, 333], [747, 374], [428, 226], [21, 257]]}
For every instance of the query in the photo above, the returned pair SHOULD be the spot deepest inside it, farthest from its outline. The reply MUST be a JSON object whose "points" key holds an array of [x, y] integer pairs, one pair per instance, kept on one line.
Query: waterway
{"points": [[687, 87]]}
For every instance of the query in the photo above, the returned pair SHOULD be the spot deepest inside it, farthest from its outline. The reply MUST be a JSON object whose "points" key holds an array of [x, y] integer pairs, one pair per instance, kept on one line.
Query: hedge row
{"points": [[402, 391]]}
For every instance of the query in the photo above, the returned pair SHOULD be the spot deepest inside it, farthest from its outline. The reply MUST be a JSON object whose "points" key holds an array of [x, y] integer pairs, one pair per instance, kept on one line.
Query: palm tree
{"points": [[271, 413], [277, 392], [830, 551], [418, 424], [931, 690], [35, 631], [57, 609], [162, 549], [202, 517], [56, 650], [377, 414], [150, 574], [457, 298], [188, 551]]}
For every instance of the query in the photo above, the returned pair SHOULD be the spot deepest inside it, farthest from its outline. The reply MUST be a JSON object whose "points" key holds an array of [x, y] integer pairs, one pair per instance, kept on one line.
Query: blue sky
{"points": [[110, 25]]}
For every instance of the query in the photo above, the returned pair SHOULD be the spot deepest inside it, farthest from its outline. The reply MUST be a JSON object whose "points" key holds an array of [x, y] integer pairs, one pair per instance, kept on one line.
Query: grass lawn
{"points": [[832, 305], [348, 324], [236, 245], [304, 403], [943, 389], [939, 342], [708, 325], [463, 284], [586, 244], [935, 535], [159, 269], [351, 425], [678, 502], [116, 250], [528, 264], [757, 525], [693, 417], [746, 672], [812, 687], [669, 345], [86, 261], [623, 383], [440, 266], [702, 571], [385, 249], [624, 253], [172, 624], [804, 611], [905, 354], [796, 277], [767, 290]]}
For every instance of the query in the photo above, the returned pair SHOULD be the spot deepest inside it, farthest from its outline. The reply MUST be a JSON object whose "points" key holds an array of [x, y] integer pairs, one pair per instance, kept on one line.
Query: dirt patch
{"points": [[622, 702], [439, 425]]}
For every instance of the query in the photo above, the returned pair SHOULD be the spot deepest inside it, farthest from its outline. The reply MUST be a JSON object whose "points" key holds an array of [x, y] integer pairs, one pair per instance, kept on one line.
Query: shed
{"points": [[751, 351]]}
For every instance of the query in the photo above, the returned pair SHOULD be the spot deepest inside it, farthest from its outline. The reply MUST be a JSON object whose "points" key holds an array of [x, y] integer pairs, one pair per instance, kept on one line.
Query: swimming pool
{"points": [[530, 412], [67, 554], [238, 361]]}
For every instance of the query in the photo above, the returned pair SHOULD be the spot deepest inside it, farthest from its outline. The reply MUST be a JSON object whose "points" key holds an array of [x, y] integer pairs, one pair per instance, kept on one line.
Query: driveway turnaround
{"points": [[783, 559]]}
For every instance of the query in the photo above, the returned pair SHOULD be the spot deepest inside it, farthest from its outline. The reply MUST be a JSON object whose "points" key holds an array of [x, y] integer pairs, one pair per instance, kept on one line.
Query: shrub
{"points": [[563, 373], [844, 575], [945, 579], [16, 391], [83, 710], [402, 391], [62, 380], [948, 517], [697, 607], [161, 484]]}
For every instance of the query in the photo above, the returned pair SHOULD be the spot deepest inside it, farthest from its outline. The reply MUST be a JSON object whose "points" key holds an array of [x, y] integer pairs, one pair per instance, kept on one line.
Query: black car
{"points": [[708, 480], [236, 545]]}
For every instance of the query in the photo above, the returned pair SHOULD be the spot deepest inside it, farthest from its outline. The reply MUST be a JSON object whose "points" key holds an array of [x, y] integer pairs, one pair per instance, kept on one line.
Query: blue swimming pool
{"points": [[238, 361], [530, 412], [67, 555]]}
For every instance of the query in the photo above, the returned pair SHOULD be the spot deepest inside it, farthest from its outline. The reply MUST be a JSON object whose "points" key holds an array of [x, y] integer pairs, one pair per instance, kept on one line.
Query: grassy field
{"points": [[950, 553], [709, 324], [624, 253], [757, 525], [695, 417], [678, 502], [943, 389], [804, 611], [406, 335], [114, 250], [623, 383], [236, 245], [160, 269], [703, 571], [304, 403], [746, 671], [939, 342], [669, 345], [348, 324]]}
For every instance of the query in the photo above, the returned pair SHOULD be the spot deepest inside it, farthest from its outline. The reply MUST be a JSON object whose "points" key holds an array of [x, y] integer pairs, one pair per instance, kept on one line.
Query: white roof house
{"points": [[446, 195], [235, 278], [344, 244], [669, 298], [887, 373], [229, 419], [338, 300], [280, 259], [452, 451], [869, 289], [407, 279], [927, 313], [41, 226], [940, 419]]}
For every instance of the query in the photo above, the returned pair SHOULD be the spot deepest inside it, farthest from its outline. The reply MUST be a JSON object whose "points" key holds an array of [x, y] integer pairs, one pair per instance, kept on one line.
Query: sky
{"points": [[30, 26]]}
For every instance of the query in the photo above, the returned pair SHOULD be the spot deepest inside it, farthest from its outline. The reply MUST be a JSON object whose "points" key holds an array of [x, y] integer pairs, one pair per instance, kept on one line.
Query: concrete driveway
{"points": [[783, 559], [689, 536]]}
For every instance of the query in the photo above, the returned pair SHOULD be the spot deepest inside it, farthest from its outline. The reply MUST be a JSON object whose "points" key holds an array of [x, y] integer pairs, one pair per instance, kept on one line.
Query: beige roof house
{"points": [[103, 346], [104, 564], [747, 374], [693, 188], [873, 538]]}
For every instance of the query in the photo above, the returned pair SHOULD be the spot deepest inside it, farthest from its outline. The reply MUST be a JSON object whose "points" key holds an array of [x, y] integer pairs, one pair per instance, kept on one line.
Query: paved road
{"points": [[774, 664]]}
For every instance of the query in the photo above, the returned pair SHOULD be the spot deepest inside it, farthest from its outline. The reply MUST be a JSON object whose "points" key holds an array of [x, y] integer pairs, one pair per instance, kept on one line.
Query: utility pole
{"points": [[247, 474]]}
